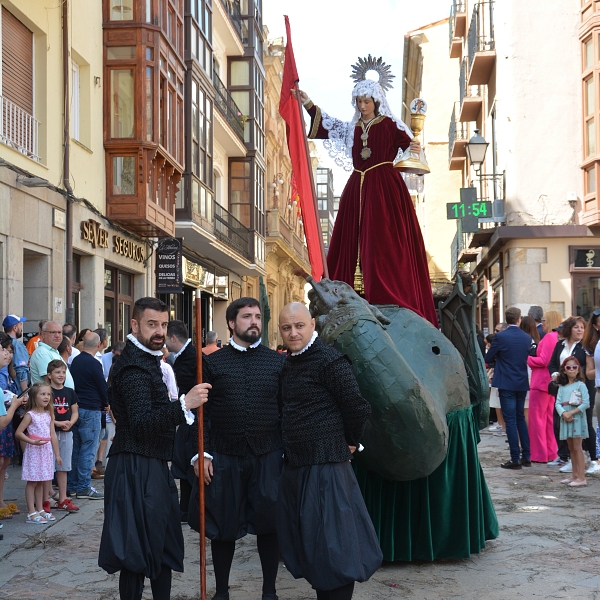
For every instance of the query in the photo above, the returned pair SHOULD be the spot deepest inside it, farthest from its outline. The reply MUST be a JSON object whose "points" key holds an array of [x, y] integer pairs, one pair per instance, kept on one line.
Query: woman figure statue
{"points": [[376, 245]]}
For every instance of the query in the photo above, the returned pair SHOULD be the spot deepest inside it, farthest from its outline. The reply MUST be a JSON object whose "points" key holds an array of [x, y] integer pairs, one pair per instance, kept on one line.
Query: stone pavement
{"points": [[549, 547]]}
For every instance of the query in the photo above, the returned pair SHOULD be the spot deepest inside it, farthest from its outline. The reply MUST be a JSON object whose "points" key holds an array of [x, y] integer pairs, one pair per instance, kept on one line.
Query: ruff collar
{"points": [[176, 356], [141, 346], [243, 348], [315, 335]]}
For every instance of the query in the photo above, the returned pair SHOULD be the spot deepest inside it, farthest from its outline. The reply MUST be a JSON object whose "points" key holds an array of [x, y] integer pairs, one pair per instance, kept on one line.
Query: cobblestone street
{"points": [[549, 546]]}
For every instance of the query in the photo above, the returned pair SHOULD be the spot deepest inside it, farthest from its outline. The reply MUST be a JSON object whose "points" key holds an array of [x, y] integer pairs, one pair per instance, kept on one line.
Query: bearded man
{"points": [[142, 536], [242, 447]]}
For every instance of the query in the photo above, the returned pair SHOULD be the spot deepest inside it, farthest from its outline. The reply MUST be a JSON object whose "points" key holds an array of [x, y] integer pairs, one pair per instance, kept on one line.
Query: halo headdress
{"points": [[364, 65]]}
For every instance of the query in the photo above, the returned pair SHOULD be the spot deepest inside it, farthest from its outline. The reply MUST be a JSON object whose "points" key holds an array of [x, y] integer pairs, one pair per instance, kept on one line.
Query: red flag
{"points": [[290, 110]]}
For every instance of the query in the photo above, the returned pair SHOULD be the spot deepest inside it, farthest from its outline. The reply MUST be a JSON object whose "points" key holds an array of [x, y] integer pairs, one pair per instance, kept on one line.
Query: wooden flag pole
{"points": [[200, 419], [312, 182]]}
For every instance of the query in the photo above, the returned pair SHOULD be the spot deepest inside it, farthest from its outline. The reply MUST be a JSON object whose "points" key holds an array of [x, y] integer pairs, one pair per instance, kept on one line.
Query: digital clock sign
{"points": [[460, 210]]}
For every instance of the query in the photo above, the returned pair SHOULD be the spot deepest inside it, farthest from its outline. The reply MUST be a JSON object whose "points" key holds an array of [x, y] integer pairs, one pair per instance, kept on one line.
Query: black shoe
{"points": [[509, 464], [221, 596], [270, 597], [525, 462]]}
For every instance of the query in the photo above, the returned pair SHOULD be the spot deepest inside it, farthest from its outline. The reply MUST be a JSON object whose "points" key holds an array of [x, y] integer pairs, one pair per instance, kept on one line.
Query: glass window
{"points": [[123, 175], [195, 196], [590, 180], [122, 103], [590, 130], [120, 52], [588, 54], [149, 53], [148, 11], [121, 10], [75, 107], [240, 73], [108, 280], [149, 102], [590, 96], [125, 284]]}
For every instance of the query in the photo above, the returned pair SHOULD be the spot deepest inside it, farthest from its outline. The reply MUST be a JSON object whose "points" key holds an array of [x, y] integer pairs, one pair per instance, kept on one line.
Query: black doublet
{"points": [[145, 417], [323, 409], [242, 411]]}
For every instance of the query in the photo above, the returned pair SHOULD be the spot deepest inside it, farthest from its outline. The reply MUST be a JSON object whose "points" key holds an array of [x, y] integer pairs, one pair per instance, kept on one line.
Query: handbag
{"points": [[553, 388]]}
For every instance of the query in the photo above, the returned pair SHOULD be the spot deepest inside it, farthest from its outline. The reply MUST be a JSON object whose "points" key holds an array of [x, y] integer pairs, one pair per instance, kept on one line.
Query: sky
{"points": [[329, 36]]}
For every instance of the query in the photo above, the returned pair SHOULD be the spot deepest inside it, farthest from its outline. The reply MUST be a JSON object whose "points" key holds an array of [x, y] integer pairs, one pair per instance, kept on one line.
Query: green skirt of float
{"points": [[448, 514]]}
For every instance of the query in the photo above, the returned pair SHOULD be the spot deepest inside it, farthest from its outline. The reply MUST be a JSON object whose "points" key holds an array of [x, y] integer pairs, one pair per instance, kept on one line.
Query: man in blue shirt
{"points": [[13, 325], [92, 396], [510, 349]]}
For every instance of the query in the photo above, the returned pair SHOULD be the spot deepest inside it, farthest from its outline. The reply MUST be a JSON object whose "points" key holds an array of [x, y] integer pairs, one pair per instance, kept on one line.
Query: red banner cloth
{"points": [[290, 110]]}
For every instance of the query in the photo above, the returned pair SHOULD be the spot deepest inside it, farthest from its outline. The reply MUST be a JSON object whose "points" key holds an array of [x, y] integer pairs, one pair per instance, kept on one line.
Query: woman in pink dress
{"points": [[541, 403], [38, 458]]}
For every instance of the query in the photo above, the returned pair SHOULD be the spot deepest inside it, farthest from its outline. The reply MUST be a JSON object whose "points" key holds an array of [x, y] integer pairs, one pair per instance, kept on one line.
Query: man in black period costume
{"points": [[242, 447], [325, 533], [142, 534]]}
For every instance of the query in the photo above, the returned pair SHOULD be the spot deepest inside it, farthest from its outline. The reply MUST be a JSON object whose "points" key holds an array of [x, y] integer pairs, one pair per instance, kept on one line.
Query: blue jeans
{"points": [[513, 410], [86, 436]]}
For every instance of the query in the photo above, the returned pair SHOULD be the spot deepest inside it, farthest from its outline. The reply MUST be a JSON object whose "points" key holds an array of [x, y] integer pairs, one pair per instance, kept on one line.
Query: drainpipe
{"points": [[69, 312]]}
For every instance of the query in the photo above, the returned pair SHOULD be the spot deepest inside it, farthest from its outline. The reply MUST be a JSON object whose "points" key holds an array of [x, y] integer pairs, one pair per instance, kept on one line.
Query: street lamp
{"points": [[476, 149]]}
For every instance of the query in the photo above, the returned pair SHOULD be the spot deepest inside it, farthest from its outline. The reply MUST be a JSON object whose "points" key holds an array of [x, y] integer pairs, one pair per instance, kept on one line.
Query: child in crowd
{"points": [[38, 460], [66, 414], [571, 403]]}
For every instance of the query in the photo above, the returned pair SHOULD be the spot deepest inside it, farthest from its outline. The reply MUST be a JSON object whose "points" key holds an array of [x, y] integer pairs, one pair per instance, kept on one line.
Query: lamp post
{"points": [[476, 149]]}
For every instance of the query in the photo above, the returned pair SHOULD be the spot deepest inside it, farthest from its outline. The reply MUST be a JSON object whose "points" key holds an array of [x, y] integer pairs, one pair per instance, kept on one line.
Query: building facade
{"points": [[62, 168], [428, 74], [326, 203], [538, 247], [285, 244]]}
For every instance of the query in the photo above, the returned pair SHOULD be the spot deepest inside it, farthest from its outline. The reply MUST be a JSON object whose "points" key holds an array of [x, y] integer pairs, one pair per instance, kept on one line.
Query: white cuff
{"points": [[195, 458], [307, 102], [189, 415], [360, 448]]}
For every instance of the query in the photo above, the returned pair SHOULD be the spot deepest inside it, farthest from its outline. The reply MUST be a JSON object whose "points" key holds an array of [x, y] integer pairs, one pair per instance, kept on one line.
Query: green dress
{"points": [[577, 428]]}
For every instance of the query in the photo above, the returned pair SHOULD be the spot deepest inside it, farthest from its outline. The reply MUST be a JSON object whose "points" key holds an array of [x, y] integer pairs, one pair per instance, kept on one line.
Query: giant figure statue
{"points": [[419, 473]]}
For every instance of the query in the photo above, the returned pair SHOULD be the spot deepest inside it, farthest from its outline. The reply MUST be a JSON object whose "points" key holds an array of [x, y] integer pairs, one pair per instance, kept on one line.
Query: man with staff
{"points": [[142, 536], [242, 447]]}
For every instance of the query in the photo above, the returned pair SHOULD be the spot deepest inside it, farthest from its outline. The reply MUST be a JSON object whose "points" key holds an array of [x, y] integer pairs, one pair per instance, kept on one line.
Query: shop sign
{"points": [[128, 249], [168, 266], [198, 276], [587, 258], [94, 234]]}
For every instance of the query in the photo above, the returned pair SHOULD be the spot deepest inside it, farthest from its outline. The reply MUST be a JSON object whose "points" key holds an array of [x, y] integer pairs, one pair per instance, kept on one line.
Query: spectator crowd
{"points": [[542, 374]]}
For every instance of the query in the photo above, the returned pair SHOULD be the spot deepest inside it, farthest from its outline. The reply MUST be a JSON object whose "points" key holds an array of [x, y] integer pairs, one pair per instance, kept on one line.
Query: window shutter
{"points": [[17, 62]]}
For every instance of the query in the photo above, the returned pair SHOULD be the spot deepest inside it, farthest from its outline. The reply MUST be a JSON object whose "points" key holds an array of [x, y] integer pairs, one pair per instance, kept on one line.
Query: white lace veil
{"points": [[341, 133]]}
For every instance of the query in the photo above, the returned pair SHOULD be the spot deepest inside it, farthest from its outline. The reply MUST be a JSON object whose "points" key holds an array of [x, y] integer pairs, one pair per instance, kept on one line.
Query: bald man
{"points": [[46, 351], [92, 395], [325, 533]]}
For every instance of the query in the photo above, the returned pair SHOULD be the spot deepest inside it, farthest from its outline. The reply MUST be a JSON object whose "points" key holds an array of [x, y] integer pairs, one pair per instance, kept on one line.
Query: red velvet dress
{"points": [[392, 253]]}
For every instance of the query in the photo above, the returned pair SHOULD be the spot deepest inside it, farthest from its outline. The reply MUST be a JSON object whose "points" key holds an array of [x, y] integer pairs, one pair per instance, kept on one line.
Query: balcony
{"points": [[18, 129], [457, 25], [458, 136], [459, 250], [471, 97], [481, 44], [230, 231], [228, 108], [232, 8], [290, 245], [491, 189]]}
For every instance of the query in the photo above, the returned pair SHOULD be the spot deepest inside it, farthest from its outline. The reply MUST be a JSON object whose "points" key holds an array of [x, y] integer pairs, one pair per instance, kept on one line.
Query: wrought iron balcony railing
{"points": [[18, 129], [457, 131], [232, 7], [228, 108], [230, 231], [467, 91], [458, 6], [481, 30]]}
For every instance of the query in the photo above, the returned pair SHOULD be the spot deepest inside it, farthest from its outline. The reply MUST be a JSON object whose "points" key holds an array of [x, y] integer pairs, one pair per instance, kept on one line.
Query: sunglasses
{"points": [[571, 368]]}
